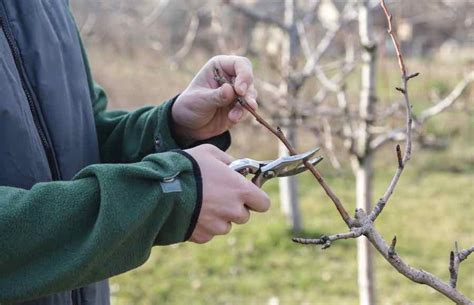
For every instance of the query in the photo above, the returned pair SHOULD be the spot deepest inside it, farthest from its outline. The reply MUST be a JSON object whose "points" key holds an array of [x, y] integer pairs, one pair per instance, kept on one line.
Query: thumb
{"points": [[219, 154], [223, 96]]}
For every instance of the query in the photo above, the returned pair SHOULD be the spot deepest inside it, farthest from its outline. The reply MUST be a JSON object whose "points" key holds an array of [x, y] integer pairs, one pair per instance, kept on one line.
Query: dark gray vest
{"points": [[47, 129]]}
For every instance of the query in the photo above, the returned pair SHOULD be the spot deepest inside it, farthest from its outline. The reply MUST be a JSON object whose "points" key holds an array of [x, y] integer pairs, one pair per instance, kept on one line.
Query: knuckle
{"points": [[246, 189], [222, 228], [215, 58], [242, 217], [246, 60], [208, 147], [225, 92]]}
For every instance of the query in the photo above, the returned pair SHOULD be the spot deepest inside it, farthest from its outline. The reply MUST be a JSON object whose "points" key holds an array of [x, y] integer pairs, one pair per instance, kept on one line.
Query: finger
{"points": [[242, 216], [252, 92], [223, 96], [218, 154], [241, 68], [255, 199], [222, 228], [252, 103], [236, 114], [201, 237]]}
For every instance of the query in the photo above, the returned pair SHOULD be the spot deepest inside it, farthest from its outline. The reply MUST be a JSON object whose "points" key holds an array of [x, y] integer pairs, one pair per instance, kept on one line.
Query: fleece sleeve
{"points": [[66, 234]]}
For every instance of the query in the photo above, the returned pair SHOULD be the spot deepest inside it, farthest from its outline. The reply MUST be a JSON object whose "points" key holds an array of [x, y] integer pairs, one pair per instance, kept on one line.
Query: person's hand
{"points": [[227, 195], [205, 109]]}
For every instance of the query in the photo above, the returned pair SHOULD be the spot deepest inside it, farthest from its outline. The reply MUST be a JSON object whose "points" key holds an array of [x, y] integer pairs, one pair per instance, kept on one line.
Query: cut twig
{"points": [[455, 258], [399, 156], [391, 250], [327, 240]]}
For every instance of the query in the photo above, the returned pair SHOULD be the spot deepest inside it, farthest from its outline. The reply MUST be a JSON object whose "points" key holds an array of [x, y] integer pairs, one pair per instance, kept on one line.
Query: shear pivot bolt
{"points": [[269, 174]]}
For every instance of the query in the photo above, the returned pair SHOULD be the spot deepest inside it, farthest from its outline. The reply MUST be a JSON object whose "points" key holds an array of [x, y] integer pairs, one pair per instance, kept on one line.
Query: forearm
{"points": [[129, 136], [62, 235], [126, 137]]}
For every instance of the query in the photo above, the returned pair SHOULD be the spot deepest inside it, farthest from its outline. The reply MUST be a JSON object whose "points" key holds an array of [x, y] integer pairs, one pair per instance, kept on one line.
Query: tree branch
{"points": [[448, 101], [155, 13], [364, 224], [279, 134], [253, 14], [323, 45], [409, 119], [326, 241], [188, 41]]}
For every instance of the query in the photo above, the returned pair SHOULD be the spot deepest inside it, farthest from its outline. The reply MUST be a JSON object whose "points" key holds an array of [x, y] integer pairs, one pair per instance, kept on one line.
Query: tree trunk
{"points": [[366, 281], [289, 187], [363, 161]]}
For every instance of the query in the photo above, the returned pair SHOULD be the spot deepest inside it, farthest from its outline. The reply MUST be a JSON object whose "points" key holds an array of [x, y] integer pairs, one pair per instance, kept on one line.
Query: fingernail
{"points": [[243, 88], [240, 114], [236, 114]]}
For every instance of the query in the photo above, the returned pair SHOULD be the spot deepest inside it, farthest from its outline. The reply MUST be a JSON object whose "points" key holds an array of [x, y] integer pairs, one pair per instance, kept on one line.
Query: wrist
{"points": [[180, 133]]}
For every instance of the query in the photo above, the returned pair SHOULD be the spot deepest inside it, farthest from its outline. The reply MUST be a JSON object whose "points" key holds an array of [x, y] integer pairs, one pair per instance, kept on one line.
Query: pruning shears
{"points": [[281, 167]]}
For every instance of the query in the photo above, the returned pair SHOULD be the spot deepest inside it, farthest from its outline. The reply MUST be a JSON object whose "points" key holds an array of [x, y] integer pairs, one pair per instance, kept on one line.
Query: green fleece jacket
{"points": [[66, 234]]}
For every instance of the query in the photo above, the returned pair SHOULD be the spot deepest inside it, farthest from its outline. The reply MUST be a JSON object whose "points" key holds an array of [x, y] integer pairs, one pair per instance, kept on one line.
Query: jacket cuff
{"points": [[181, 195], [221, 141], [198, 183]]}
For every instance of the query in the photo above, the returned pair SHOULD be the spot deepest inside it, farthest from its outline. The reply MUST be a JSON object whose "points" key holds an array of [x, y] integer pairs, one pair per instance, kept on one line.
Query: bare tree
{"points": [[361, 131], [362, 154], [364, 222]]}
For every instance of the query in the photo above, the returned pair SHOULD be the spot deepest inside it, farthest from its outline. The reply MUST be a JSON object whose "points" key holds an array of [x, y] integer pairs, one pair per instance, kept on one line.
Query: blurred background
{"points": [[326, 72]]}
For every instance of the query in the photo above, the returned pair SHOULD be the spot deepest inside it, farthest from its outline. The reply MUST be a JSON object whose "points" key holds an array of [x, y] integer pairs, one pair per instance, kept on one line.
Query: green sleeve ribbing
{"points": [[62, 235]]}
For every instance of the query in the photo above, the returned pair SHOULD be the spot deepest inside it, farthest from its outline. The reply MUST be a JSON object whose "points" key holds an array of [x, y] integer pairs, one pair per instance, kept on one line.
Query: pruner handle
{"points": [[249, 166]]}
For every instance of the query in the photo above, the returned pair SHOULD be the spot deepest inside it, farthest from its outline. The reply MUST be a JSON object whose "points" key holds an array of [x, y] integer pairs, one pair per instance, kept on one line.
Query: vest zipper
{"points": [[52, 162]]}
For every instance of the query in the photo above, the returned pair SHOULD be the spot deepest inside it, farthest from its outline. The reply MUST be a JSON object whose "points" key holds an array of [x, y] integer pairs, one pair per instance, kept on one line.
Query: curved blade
{"points": [[291, 165], [299, 169]]}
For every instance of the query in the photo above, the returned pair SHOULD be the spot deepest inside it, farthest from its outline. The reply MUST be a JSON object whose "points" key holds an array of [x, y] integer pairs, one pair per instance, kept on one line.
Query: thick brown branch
{"points": [[279, 134], [367, 228], [416, 275]]}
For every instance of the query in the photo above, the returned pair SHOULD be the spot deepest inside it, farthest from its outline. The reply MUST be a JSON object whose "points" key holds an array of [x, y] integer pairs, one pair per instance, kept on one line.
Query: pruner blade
{"points": [[281, 167]]}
